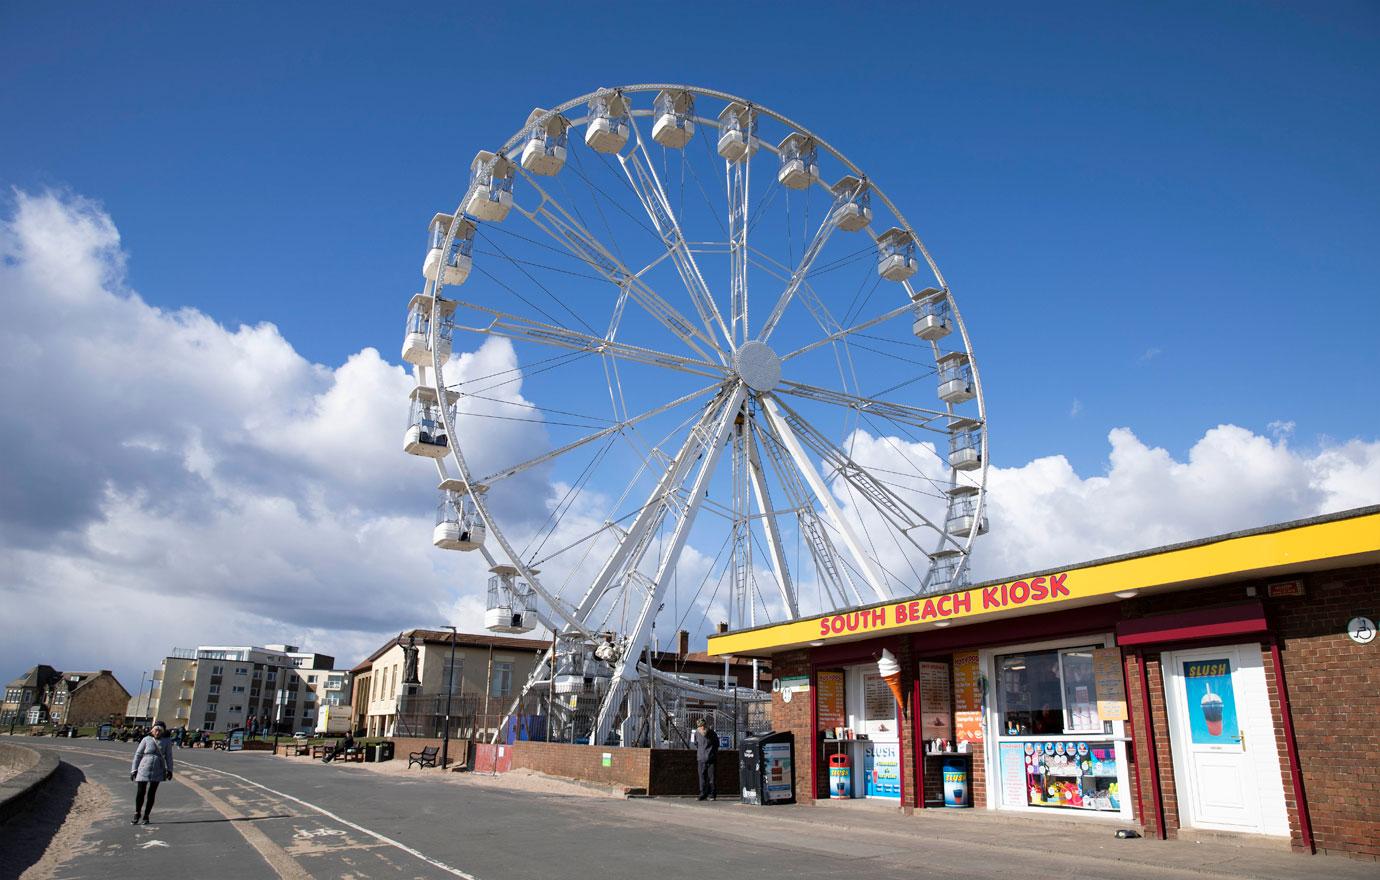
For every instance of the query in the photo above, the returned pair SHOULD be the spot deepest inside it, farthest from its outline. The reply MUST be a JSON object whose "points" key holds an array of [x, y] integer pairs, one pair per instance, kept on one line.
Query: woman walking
{"points": [[152, 764]]}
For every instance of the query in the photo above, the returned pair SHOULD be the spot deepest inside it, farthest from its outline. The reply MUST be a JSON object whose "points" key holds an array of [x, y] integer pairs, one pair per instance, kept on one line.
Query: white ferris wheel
{"points": [[717, 361]]}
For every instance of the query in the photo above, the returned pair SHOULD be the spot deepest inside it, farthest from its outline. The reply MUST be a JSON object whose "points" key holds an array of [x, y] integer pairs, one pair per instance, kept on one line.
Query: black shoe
{"points": [[703, 797], [713, 797], [145, 821], [135, 820]]}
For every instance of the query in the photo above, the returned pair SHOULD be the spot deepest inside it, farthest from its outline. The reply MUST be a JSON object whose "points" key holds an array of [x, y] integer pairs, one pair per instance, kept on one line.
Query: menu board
{"points": [[879, 708], [936, 713], [967, 697], [830, 709], [1013, 775], [1110, 686]]}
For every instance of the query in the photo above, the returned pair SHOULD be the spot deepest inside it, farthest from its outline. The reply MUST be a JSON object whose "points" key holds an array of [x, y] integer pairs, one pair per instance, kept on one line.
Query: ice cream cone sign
{"points": [[890, 671]]}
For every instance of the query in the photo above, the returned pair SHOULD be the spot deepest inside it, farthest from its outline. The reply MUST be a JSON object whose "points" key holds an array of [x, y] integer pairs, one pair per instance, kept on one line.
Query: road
{"points": [[252, 815]]}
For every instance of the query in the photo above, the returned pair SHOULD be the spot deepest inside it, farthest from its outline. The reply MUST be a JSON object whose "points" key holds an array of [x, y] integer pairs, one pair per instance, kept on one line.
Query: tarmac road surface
{"points": [[250, 815]]}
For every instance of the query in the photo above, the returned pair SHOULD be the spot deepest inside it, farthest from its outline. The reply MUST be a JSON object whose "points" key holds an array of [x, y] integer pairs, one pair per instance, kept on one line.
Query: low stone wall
{"points": [[675, 772], [657, 772], [627, 768], [24, 771]]}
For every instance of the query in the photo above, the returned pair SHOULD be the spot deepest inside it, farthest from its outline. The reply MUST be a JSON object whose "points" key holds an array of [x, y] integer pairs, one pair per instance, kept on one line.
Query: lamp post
{"points": [[450, 687]]}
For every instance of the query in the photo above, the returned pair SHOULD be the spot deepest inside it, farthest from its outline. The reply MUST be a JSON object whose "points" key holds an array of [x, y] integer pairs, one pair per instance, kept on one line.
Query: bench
{"points": [[296, 750], [355, 754], [425, 758]]}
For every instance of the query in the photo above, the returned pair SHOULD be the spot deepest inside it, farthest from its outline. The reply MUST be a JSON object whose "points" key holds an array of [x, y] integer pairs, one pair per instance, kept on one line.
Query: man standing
{"points": [[707, 757]]}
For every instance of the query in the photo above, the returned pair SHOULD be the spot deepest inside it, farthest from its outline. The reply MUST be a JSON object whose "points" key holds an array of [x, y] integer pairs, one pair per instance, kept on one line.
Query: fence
{"points": [[673, 716]]}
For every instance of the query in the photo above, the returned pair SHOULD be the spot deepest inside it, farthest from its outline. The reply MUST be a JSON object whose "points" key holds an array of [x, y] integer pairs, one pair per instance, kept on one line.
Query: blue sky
{"points": [[1166, 213], [1157, 219]]}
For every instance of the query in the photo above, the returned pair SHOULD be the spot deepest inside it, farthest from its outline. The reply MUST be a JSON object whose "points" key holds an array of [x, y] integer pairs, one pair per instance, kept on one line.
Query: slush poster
{"points": [[883, 767], [1211, 702]]}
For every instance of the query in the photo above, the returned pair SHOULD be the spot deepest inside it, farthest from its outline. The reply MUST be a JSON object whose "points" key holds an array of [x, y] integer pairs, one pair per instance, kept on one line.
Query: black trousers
{"points": [[707, 778], [143, 798]]}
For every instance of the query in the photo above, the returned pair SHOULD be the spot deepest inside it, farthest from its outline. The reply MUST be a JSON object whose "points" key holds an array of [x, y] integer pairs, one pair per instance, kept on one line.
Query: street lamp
{"points": [[450, 688]]}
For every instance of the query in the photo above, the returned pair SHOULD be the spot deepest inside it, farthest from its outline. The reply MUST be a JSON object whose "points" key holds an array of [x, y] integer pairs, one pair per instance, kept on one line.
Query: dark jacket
{"points": [[706, 746]]}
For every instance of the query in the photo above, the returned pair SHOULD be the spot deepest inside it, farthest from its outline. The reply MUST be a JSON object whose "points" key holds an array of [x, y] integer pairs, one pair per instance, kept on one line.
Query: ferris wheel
{"points": [[709, 373]]}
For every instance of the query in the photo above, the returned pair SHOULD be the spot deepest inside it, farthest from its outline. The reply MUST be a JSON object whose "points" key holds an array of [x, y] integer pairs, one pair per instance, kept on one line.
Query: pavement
{"points": [[252, 815]]}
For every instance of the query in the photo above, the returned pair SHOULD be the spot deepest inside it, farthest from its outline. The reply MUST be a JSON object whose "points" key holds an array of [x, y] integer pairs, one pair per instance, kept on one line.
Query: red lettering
{"points": [[900, 613], [928, 610], [945, 605], [963, 603], [1038, 589], [1056, 585], [851, 621], [914, 609], [837, 623], [824, 626], [878, 617], [1020, 591], [991, 597]]}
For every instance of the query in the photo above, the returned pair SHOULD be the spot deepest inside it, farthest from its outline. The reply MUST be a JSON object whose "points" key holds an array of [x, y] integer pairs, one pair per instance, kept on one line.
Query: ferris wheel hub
{"points": [[757, 365]]}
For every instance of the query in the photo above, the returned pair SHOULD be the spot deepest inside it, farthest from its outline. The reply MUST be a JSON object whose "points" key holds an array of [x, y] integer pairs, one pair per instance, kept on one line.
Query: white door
{"points": [[1222, 735]]}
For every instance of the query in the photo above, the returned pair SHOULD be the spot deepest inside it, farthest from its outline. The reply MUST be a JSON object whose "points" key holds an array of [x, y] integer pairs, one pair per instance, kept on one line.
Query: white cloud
{"points": [[1043, 513], [170, 481], [1076, 408]]}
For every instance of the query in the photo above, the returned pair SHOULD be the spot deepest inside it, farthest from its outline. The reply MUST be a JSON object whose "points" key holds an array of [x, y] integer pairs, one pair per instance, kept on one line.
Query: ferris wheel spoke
{"points": [[807, 259], [829, 570], [807, 470], [615, 428], [655, 509], [898, 412], [642, 177], [738, 177], [517, 327], [901, 514], [564, 228], [855, 329], [640, 631], [762, 493]]}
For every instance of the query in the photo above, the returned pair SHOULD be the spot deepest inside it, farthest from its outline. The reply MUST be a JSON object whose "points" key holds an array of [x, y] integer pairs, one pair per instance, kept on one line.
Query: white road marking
{"points": [[153, 843], [346, 822]]}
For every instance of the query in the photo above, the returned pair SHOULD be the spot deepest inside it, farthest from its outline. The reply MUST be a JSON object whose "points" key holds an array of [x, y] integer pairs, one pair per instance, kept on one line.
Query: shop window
{"points": [[1046, 693]]}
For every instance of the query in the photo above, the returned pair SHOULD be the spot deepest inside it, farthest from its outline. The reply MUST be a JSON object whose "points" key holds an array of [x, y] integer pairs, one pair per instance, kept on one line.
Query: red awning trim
{"points": [[1190, 626]]}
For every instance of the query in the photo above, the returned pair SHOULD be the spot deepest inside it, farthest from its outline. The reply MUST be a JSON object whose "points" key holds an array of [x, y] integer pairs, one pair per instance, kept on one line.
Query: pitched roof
{"points": [[465, 640], [37, 677]]}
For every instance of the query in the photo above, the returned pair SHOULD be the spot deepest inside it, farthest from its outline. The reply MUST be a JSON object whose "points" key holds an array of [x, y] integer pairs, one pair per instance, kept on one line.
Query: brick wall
{"points": [[630, 768], [1332, 684], [795, 716]]}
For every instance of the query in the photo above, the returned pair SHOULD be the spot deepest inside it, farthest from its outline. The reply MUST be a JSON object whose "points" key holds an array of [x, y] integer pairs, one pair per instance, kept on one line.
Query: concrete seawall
{"points": [[23, 771]]}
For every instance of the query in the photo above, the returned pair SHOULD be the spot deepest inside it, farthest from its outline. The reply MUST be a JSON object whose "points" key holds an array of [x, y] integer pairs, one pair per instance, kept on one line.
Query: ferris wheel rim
{"points": [[553, 602]]}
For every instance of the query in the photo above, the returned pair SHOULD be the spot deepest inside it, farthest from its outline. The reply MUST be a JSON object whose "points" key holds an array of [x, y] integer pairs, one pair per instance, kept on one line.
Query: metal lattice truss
{"points": [[804, 521]]}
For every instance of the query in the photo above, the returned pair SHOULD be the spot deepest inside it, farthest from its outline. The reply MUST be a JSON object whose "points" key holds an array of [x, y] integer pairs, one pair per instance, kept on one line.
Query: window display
{"points": [[1077, 774]]}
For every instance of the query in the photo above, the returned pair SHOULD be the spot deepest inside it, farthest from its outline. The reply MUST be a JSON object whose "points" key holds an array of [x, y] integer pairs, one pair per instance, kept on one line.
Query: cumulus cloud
{"points": [[172, 481], [1043, 513]]}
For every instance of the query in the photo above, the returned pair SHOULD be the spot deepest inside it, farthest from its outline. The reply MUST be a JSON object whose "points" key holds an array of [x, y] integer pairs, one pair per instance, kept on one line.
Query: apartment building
{"points": [[223, 687]]}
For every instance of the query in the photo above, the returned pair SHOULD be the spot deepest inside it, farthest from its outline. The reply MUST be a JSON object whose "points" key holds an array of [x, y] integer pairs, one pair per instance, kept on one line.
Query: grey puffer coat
{"points": [[152, 760]]}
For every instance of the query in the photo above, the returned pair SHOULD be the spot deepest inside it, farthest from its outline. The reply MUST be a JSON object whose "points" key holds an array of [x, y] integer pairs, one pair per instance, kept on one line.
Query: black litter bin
{"points": [[385, 751], [766, 769]]}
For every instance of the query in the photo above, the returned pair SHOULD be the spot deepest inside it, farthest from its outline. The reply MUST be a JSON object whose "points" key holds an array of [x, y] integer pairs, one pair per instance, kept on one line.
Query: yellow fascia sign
{"points": [[1242, 555]]}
